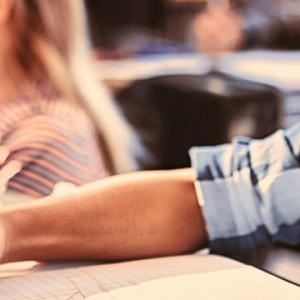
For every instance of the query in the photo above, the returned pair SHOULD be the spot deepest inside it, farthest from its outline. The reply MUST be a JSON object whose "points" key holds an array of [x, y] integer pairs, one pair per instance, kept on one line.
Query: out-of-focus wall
{"points": [[112, 21]]}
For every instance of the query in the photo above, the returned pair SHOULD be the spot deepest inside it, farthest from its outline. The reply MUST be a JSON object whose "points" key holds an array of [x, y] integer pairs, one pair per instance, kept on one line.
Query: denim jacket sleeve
{"points": [[249, 192]]}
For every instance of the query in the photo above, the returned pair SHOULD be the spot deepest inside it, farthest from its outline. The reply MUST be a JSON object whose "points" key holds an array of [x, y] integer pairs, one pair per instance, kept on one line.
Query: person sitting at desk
{"points": [[53, 109], [237, 198], [242, 24]]}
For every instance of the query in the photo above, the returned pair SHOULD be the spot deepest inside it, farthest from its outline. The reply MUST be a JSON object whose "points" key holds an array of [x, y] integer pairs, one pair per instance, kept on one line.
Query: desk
{"points": [[284, 263]]}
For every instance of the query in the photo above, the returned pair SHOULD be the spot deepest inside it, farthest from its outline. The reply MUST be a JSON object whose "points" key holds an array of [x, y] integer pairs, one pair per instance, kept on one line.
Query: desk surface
{"points": [[284, 263]]}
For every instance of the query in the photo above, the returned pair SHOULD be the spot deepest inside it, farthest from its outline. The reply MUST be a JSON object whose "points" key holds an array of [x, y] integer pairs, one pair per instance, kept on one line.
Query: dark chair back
{"points": [[175, 112]]}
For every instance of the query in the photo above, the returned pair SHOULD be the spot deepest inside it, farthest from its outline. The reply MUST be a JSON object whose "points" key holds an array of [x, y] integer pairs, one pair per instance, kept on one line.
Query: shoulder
{"points": [[55, 142], [53, 129], [59, 109], [44, 119]]}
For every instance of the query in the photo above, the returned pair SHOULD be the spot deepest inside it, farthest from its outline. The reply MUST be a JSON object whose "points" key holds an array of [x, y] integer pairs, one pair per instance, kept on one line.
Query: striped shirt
{"points": [[249, 192], [44, 141]]}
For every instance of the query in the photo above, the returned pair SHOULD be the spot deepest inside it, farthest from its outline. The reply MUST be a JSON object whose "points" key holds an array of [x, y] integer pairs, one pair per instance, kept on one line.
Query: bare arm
{"points": [[141, 215]]}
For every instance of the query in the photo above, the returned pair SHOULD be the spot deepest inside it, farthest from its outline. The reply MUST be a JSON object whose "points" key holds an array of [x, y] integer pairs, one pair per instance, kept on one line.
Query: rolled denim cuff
{"points": [[229, 202]]}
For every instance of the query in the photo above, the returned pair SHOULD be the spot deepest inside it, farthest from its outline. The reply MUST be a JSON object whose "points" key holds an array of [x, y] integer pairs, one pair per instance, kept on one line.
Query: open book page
{"points": [[245, 283], [64, 282]]}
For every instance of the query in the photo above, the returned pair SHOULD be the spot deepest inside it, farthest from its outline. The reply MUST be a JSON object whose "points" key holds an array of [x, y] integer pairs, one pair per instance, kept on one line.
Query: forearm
{"points": [[132, 216]]}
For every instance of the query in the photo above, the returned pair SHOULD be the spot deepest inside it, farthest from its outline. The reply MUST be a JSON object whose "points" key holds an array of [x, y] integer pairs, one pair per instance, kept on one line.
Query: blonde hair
{"points": [[49, 41]]}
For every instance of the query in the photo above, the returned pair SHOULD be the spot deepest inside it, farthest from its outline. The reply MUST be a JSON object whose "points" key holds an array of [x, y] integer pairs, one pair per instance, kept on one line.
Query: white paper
{"points": [[71, 281], [245, 283]]}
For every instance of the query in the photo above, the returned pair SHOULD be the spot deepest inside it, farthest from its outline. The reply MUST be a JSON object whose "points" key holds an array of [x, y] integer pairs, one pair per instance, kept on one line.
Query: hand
{"points": [[218, 29]]}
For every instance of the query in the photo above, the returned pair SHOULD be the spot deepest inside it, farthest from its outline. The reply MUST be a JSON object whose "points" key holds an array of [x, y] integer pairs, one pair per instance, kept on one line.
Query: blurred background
{"points": [[196, 72]]}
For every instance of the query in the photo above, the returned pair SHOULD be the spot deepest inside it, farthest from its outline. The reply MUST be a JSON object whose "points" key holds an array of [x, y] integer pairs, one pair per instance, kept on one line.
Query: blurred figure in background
{"points": [[116, 25], [49, 95], [230, 25]]}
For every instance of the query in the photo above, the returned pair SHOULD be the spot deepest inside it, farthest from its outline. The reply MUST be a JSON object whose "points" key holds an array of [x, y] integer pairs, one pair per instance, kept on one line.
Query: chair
{"points": [[175, 112]]}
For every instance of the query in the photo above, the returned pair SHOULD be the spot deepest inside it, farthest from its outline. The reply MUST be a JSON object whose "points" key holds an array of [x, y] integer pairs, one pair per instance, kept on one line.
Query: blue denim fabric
{"points": [[249, 192]]}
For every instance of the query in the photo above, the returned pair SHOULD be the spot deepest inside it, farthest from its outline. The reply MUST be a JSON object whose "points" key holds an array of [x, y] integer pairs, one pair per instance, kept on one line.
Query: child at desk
{"points": [[58, 124], [237, 198]]}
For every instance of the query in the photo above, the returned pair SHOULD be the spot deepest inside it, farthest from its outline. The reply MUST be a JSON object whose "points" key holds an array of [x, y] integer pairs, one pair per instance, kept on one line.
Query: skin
{"points": [[124, 217], [147, 214], [218, 29]]}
